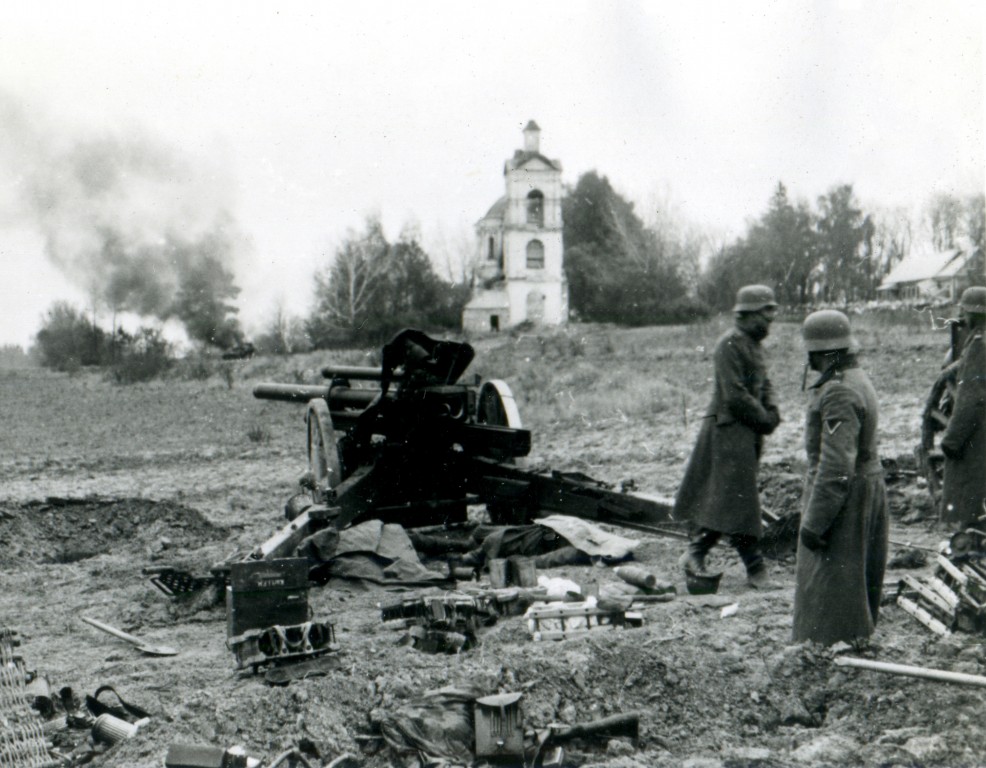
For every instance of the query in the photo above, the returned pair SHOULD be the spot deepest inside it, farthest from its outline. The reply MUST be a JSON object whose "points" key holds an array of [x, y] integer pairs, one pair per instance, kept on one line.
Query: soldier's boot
{"points": [[759, 578]]}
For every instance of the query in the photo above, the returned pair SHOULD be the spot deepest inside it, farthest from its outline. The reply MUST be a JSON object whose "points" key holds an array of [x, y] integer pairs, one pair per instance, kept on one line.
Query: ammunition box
{"points": [[499, 727], [265, 593]]}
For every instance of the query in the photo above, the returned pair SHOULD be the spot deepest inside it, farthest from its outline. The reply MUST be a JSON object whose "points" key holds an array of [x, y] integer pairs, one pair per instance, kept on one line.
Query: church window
{"points": [[535, 255], [535, 208], [491, 254]]}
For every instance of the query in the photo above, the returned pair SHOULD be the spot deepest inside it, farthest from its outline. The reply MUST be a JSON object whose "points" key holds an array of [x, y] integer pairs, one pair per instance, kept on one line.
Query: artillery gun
{"points": [[419, 447], [936, 414]]}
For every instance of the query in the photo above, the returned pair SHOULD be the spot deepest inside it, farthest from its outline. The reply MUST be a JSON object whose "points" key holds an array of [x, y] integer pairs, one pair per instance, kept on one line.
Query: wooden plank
{"points": [[931, 596], [923, 616], [939, 675]]}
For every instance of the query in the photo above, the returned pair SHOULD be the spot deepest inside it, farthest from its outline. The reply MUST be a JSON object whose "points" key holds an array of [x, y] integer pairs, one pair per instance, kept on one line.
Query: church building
{"points": [[520, 276]]}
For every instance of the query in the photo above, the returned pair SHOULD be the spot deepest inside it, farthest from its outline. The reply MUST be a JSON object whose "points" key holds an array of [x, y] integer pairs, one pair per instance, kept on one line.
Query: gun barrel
{"points": [[338, 398], [362, 372], [290, 393]]}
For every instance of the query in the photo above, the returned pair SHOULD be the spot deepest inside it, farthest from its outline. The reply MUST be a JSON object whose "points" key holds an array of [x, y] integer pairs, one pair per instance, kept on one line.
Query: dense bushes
{"points": [[68, 340], [141, 357]]}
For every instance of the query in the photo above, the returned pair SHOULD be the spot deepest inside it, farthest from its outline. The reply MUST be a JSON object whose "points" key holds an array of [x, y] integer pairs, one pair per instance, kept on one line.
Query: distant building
{"points": [[924, 276], [520, 275]]}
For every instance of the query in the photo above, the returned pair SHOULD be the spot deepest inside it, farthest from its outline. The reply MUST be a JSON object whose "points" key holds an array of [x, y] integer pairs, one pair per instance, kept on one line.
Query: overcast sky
{"points": [[299, 119]]}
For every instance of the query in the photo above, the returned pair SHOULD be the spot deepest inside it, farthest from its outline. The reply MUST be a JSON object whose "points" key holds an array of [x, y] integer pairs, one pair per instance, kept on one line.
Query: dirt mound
{"points": [[60, 530]]}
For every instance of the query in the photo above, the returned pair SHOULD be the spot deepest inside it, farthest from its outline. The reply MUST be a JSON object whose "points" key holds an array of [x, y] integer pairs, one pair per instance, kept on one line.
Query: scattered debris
{"points": [[22, 738], [557, 588], [140, 645], [439, 724], [447, 623], [516, 570], [939, 675], [621, 589], [560, 621], [193, 756], [953, 598], [908, 558], [647, 582], [34, 724], [111, 730]]}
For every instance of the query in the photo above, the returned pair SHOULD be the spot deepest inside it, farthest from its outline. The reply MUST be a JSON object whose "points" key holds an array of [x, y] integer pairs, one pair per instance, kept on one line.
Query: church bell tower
{"points": [[521, 266]]}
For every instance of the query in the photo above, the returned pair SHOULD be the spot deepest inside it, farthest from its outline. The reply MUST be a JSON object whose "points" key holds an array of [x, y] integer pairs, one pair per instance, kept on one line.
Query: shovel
{"points": [[154, 650]]}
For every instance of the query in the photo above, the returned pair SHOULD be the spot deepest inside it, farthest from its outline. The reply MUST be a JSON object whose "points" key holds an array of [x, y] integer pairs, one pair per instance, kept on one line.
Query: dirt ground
{"points": [[99, 481]]}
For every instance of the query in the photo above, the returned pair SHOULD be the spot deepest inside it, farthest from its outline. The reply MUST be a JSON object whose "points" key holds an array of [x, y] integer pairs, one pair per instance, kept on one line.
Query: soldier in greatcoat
{"points": [[718, 494], [842, 547], [964, 440]]}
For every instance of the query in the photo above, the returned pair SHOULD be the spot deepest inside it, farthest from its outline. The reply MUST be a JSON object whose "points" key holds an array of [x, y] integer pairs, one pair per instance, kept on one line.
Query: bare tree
{"points": [[944, 218], [346, 290], [892, 238]]}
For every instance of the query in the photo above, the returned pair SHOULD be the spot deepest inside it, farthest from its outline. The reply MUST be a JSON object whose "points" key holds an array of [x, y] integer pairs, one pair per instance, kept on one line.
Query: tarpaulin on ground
{"points": [[371, 551], [436, 728], [589, 538], [554, 540]]}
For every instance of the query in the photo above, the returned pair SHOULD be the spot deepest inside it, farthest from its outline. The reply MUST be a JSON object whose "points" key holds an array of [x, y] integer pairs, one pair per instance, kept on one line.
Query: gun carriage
{"points": [[419, 446]]}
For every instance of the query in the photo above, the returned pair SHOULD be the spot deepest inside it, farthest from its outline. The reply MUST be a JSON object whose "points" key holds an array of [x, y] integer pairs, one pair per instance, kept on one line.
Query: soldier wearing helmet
{"points": [[964, 440], [842, 548], [719, 494]]}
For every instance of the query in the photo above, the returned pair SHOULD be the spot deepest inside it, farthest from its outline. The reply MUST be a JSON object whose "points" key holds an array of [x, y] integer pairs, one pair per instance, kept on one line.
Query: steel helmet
{"points": [[753, 298], [826, 330], [974, 299]]}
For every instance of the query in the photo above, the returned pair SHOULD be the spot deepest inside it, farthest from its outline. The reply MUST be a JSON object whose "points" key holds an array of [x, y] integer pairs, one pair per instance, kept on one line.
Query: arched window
{"points": [[535, 208], [491, 254], [535, 255]]}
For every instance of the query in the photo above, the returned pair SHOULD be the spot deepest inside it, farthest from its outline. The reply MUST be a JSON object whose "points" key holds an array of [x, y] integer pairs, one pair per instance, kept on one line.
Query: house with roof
{"points": [[520, 275], [927, 275]]}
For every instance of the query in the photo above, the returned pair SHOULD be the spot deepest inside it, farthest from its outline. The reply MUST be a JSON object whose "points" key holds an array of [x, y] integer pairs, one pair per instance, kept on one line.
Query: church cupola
{"points": [[532, 138]]}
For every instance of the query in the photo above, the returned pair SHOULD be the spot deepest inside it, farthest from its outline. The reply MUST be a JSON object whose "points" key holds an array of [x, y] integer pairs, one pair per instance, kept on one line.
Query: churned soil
{"points": [[187, 474]]}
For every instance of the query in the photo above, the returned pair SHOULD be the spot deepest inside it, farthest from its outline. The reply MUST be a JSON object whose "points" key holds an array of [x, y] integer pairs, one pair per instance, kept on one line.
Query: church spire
{"points": [[532, 137]]}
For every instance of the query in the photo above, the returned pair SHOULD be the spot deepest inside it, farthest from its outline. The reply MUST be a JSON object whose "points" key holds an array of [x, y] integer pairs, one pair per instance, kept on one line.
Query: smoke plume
{"points": [[129, 220]]}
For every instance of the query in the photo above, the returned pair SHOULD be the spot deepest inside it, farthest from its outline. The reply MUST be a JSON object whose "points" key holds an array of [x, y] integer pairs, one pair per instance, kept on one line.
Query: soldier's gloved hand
{"points": [[950, 453], [812, 540], [769, 424]]}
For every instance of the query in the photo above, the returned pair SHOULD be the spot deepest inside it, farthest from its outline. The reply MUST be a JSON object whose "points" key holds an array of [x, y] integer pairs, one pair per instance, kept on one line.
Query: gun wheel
{"points": [[934, 420], [323, 454], [496, 406]]}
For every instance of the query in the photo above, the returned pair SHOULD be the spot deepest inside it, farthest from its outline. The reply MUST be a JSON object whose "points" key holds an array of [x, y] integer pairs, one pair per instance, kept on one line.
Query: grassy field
{"points": [[595, 396]]}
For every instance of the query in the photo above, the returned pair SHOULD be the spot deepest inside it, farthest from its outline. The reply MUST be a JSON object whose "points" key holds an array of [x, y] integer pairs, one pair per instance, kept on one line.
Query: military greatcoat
{"points": [[719, 490], [837, 596], [964, 441]]}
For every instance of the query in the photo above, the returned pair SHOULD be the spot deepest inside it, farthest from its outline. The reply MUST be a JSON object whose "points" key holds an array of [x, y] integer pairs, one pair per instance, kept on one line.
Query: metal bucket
{"points": [[702, 583]]}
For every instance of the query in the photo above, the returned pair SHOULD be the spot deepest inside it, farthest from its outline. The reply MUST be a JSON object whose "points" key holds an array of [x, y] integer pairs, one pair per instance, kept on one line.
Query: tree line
{"points": [[835, 252], [619, 270]]}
